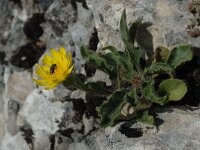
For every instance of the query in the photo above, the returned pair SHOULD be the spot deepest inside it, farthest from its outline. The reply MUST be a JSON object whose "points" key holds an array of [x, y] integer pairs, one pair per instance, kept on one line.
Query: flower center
{"points": [[53, 68]]}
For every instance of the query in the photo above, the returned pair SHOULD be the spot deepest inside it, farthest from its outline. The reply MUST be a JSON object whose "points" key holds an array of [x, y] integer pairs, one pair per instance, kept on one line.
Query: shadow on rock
{"points": [[145, 39]]}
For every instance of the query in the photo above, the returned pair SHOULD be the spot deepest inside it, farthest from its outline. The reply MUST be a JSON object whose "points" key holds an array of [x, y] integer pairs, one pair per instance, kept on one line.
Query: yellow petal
{"points": [[69, 57], [62, 51], [63, 62], [44, 80], [41, 73], [47, 60], [40, 82], [56, 56], [43, 68], [70, 70], [51, 86]]}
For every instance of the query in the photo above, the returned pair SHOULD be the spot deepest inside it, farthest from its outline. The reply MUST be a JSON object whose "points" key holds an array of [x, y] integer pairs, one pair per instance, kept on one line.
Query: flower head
{"points": [[54, 68]]}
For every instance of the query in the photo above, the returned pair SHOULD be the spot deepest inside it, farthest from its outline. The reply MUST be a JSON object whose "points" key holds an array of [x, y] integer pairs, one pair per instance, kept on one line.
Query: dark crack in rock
{"points": [[93, 101], [74, 5], [90, 70], [26, 56], [66, 132], [52, 141], [190, 73], [17, 2], [94, 40], [28, 135], [2, 57], [79, 107], [32, 28], [131, 132]]}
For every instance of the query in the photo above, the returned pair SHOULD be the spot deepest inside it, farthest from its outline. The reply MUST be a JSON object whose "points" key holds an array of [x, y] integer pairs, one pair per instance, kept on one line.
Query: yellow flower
{"points": [[54, 69]]}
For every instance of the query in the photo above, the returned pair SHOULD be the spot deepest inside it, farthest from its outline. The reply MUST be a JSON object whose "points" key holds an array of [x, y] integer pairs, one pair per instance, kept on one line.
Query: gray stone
{"points": [[13, 108], [170, 17], [178, 131], [18, 85], [46, 112], [61, 142], [41, 113], [16, 142]]}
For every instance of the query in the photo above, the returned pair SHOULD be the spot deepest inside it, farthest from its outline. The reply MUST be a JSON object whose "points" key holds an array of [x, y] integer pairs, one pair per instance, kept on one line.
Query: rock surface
{"points": [[35, 119], [178, 131]]}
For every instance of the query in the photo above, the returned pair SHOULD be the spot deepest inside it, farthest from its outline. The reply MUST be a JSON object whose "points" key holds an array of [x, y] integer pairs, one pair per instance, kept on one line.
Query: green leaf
{"points": [[174, 88], [124, 31], [137, 102], [137, 56], [133, 29], [75, 81], [146, 118], [100, 62], [151, 95], [161, 54], [93, 58], [158, 68], [132, 93], [111, 109], [135, 53], [180, 55], [121, 59]]}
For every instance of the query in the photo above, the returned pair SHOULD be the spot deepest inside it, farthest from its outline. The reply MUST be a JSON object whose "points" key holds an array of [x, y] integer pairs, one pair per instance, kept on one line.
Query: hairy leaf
{"points": [[158, 68], [146, 118], [105, 64], [125, 32], [75, 81], [121, 59], [180, 55], [151, 95], [135, 53], [111, 109], [161, 54], [174, 88]]}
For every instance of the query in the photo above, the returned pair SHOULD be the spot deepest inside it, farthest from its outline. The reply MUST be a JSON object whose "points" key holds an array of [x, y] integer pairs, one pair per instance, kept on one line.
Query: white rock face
{"points": [[14, 142], [19, 85], [178, 131], [41, 113], [35, 119]]}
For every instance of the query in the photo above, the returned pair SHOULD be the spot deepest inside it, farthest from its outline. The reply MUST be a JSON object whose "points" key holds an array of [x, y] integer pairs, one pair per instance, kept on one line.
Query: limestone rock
{"points": [[19, 85], [36, 119], [179, 130]]}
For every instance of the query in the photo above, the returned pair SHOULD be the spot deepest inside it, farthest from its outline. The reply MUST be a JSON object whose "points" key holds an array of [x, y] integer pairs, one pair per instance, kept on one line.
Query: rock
{"points": [[14, 142], [62, 142], [44, 4], [13, 108], [19, 85], [78, 94], [41, 113], [100, 76], [32, 118], [170, 18], [179, 130], [41, 140], [2, 88], [78, 146], [2, 57], [61, 93]]}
